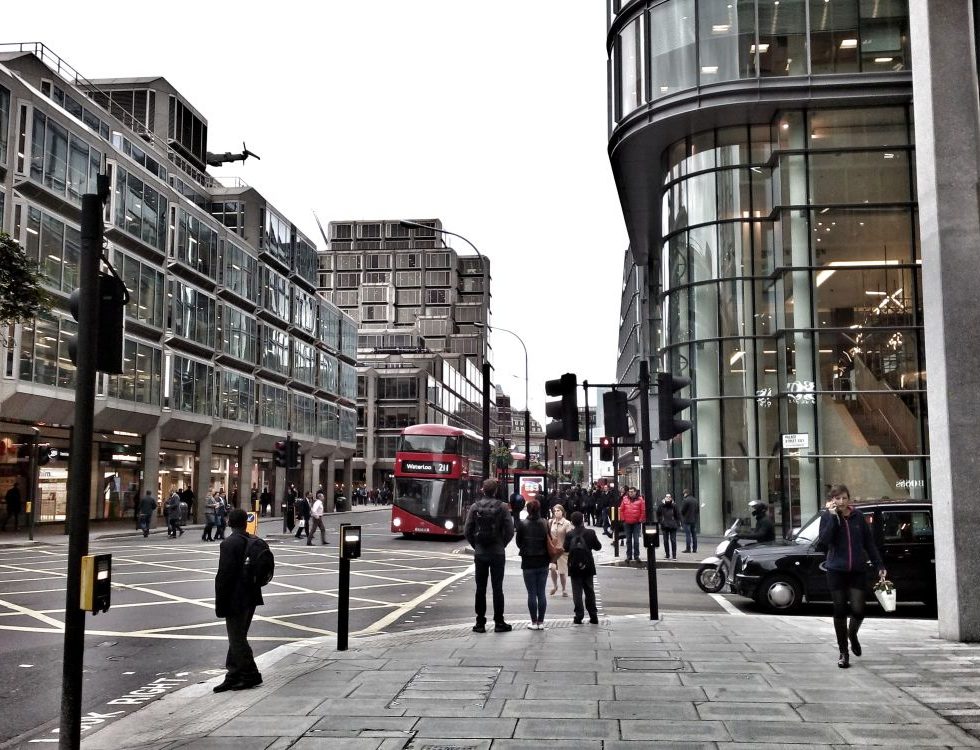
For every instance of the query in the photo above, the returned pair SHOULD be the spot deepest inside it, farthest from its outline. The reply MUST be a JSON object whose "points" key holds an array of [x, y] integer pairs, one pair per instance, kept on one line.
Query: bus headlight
{"points": [[449, 525], [396, 522]]}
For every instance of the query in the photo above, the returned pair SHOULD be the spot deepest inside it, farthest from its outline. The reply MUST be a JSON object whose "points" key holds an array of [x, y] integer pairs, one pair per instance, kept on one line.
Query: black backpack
{"points": [[578, 553], [486, 524], [260, 564]]}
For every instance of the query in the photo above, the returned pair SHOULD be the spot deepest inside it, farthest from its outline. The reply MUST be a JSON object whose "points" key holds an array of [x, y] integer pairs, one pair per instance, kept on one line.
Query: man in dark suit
{"points": [[235, 599]]}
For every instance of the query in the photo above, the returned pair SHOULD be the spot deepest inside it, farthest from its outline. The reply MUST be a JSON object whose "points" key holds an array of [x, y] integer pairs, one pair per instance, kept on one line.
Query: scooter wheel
{"points": [[710, 579]]}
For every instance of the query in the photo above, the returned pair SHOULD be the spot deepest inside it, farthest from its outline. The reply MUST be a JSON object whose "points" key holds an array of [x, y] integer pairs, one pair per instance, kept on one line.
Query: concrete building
{"points": [[228, 346], [765, 161], [419, 350]]}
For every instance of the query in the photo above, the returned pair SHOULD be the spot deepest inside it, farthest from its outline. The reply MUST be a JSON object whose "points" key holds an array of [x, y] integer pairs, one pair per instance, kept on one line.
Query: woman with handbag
{"points": [[535, 546], [558, 527], [849, 543]]}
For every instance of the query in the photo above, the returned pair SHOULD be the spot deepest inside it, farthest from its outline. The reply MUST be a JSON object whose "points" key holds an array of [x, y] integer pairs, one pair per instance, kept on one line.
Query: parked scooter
{"points": [[713, 572]]}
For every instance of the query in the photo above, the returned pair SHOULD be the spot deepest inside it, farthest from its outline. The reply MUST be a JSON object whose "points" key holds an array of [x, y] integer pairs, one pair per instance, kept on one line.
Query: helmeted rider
{"points": [[764, 530]]}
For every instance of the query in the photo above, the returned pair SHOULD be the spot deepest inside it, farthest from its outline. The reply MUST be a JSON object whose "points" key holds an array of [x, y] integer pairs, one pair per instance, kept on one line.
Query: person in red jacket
{"points": [[633, 513]]}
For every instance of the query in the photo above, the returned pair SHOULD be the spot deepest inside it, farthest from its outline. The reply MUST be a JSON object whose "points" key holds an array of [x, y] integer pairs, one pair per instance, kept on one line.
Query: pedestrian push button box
{"points": [[96, 583], [350, 542], [651, 535]]}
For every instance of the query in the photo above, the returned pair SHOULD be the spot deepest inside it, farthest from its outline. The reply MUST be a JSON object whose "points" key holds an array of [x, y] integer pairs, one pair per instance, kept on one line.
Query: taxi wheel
{"points": [[779, 593]]}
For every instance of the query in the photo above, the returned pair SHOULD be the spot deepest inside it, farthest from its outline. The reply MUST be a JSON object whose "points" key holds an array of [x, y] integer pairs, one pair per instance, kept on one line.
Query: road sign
{"points": [[795, 440], [252, 523]]}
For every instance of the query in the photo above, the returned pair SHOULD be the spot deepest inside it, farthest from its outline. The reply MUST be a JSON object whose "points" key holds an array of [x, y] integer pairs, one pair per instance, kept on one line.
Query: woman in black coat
{"points": [[579, 543], [532, 534]]}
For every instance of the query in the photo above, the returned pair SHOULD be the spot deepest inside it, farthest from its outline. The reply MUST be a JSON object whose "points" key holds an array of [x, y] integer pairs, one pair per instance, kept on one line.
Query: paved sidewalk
{"points": [[687, 681]]}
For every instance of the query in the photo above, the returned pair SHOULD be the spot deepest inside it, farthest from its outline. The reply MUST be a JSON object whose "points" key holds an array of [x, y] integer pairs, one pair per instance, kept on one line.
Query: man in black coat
{"points": [[235, 599], [579, 544]]}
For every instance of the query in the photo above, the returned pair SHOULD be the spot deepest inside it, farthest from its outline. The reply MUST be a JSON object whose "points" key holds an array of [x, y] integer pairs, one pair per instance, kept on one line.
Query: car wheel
{"points": [[710, 578], [779, 593]]}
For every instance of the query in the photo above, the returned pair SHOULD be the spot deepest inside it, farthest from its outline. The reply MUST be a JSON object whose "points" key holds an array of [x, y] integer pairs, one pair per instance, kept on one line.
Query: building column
{"points": [[947, 131], [370, 421], [203, 481], [349, 480], [317, 474], [245, 467], [151, 463], [278, 490], [309, 476], [327, 473]]}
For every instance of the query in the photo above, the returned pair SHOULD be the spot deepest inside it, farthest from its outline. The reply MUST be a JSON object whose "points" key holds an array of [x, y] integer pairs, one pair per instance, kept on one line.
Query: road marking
{"points": [[32, 613], [407, 607], [727, 605]]}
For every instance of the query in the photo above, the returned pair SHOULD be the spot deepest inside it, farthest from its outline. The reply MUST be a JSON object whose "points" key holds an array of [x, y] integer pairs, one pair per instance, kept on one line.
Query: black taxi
{"points": [[782, 575]]}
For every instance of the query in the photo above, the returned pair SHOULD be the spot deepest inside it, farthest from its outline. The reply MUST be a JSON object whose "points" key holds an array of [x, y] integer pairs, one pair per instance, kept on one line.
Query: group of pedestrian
{"points": [[216, 509], [670, 517], [308, 512], [565, 548], [371, 496]]}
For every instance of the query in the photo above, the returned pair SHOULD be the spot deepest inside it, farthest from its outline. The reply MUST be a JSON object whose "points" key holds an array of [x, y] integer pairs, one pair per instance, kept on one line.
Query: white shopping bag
{"points": [[886, 594]]}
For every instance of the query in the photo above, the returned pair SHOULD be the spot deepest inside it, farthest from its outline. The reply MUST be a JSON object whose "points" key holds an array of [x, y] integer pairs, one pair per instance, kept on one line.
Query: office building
{"points": [[228, 346]]}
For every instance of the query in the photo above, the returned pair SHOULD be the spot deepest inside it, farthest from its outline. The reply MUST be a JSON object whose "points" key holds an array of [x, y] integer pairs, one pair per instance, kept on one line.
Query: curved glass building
{"points": [[764, 156]]}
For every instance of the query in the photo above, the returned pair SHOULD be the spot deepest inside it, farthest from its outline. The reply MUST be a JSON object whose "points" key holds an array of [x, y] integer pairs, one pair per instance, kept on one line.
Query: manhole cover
{"points": [[471, 685], [637, 664]]}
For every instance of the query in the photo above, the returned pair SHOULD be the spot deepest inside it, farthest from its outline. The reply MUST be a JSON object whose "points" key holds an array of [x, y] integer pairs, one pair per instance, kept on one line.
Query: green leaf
{"points": [[22, 295]]}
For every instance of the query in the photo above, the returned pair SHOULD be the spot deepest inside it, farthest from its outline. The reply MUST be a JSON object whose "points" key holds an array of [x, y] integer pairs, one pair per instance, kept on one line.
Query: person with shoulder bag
{"points": [[558, 527], [489, 529], [579, 544], [847, 538], [532, 541]]}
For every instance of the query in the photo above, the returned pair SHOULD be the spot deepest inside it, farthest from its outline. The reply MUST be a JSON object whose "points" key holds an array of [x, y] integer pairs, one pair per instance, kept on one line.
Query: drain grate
{"points": [[469, 685], [641, 664]]}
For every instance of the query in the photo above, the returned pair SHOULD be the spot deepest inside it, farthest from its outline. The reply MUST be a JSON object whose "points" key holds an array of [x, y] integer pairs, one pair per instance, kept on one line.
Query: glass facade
{"points": [[679, 45], [140, 209], [791, 296]]}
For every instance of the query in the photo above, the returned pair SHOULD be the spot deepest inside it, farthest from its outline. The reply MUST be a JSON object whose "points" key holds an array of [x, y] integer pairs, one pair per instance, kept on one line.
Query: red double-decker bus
{"points": [[437, 477]]}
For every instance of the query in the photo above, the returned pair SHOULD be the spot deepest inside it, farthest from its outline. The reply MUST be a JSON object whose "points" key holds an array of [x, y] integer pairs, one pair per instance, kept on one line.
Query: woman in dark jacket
{"points": [[847, 538], [669, 517], [579, 543], [532, 534]]}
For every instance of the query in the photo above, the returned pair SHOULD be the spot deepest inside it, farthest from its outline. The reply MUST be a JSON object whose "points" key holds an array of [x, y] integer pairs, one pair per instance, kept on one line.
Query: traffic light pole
{"points": [[646, 448], [32, 493], [80, 470], [486, 420]]}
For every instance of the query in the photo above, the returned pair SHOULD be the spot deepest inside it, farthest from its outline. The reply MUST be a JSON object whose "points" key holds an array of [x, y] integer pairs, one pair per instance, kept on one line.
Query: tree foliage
{"points": [[502, 456], [22, 295]]}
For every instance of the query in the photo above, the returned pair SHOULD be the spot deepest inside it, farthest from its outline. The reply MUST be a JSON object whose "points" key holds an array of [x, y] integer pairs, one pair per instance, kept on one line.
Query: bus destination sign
{"points": [[427, 467]]}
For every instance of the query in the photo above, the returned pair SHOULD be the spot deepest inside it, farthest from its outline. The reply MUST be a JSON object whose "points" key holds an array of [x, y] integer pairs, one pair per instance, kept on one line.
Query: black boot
{"points": [[852, 635], [840, 630]]}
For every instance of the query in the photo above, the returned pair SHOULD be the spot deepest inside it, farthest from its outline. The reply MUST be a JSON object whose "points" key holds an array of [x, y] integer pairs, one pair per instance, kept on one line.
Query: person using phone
{"points": [[846, 536]]}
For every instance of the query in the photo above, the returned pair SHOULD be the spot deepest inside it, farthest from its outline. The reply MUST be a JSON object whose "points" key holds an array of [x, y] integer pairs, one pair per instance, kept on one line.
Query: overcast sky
{"points": [[489, 116]]}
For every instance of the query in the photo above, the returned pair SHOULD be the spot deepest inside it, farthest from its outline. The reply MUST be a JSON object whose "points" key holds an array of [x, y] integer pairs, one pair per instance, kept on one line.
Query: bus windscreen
{"points": [[428, 498]]}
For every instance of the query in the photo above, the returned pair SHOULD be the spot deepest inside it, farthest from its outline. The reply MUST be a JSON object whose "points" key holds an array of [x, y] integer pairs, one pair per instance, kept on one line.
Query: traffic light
{"points": [[292, 454], [279, 454], [614, 417], [112, 298], [669, 404], [565, 411], [605, 449]]}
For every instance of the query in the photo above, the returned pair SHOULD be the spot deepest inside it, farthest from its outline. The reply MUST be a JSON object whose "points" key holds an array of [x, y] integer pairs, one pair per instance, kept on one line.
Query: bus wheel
{"points": [[407, 535]]}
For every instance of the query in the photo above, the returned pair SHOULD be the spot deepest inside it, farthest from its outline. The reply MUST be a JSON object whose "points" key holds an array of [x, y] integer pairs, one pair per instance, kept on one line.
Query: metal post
{"points": [[486, 419], [32, 479], [646, 446], [588, 429], [343, 597], [80, 470], [546, 462], [784, 508], [527, 439]]}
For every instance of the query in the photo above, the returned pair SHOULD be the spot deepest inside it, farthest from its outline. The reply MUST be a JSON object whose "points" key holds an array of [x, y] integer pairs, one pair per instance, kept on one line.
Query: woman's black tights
{"points": [[847, 601]]}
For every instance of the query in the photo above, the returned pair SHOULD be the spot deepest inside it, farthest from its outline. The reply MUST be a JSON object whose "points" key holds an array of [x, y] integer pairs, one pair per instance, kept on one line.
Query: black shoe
{"points": [[248, 682], [146, 534], [502, 627], [855, 645], [843, 662], [479, 628], [227, 685], [577, 621], [309, 543], [593, 621], [687, 552]]}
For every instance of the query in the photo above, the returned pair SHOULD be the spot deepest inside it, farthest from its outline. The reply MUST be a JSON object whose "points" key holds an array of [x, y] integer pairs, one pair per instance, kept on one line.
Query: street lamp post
{"points": [[527, 413], [486, 364]]}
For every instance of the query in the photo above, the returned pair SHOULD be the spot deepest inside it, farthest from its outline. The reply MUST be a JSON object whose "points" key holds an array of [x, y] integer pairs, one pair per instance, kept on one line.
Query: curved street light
{"points": [[486, 365], [527, 413]]}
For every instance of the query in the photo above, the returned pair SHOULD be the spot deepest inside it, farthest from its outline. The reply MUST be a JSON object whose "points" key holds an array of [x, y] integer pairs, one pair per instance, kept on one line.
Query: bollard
{"points": [[350, 548]]}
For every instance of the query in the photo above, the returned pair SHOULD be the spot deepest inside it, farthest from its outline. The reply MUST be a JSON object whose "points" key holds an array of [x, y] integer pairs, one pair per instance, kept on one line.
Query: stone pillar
{"points": [[328, 483], [309, 476], [203, 480], [151, 462], [947, 131], [349, 480], [370, 422], [245, 466], [317, 474], [278, 490]]}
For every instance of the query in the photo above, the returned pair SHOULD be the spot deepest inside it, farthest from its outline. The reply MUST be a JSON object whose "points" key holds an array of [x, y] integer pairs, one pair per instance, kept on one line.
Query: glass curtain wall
{"points": [[791, 296]]}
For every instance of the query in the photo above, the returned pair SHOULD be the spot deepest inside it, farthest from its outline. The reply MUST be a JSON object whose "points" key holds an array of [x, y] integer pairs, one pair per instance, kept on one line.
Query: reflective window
{"points": [[673, 51], [239, 333], [860, 177], [276, 236], [330, 326], [726, 41], [276, 294], [834, 36], [884, 35], [348, 381], [328, 420], [239, 271], [303, 414], [304, 362], [195, 244], [328, 373], [142, 374], [348, 424], [304, 311], [858, 127], [275, 350], [4, 123], [631, 79], [348, 338], [237, 397], [140, 210], [145, 284], [44, 351], [273, 406], [304, 259], [193, 314], [192, 387], [55, 246], [782, 38]]}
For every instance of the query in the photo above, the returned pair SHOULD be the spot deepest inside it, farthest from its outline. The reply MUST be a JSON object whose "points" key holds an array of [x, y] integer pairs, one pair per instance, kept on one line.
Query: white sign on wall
{"points": [[796, 440]]}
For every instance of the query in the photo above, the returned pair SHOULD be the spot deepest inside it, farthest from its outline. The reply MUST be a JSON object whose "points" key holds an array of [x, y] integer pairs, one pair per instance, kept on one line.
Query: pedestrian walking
{"points": [[669, 518], [191, 502], [173, 515], [12, 500], [236, 594], [301, 511], [209, 519], [265, 501], [609, 500], [253, 499], [690, 515], [516, 506], [316, 519], [147, 506], [289, 505], [632, 513], [848, 541], [558, 527], [532, 541], [579, 544], [220, 515], [489, 529]]}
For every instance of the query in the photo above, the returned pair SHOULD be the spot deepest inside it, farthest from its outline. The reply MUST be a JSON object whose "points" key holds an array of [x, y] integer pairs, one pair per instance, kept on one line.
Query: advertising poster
{"points": [[530, 486]]}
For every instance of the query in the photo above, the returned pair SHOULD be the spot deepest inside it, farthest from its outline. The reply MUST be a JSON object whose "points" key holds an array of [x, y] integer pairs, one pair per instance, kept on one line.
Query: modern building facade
{"points": [[421, 310], [765, 161], [228, 346]]}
